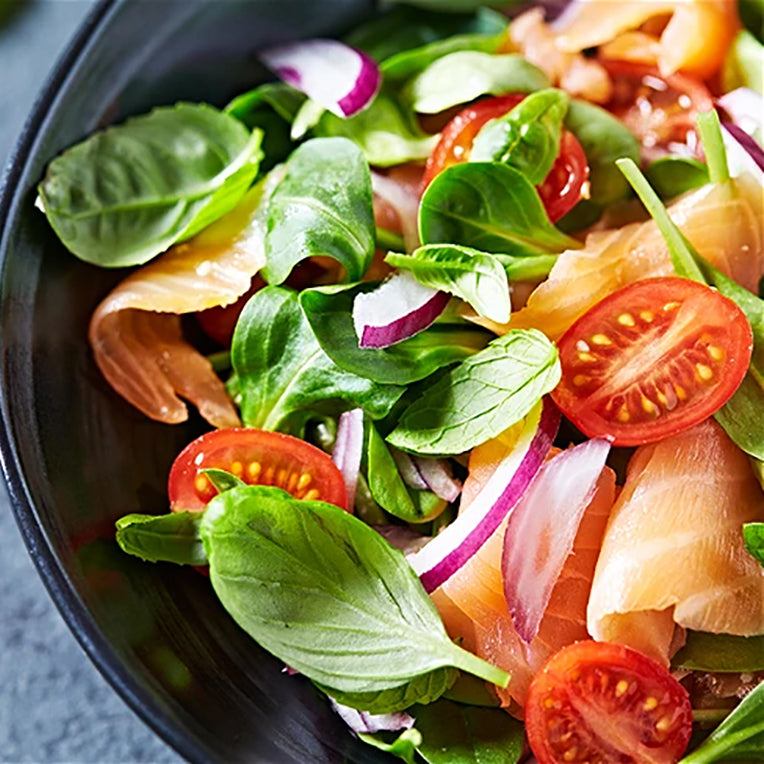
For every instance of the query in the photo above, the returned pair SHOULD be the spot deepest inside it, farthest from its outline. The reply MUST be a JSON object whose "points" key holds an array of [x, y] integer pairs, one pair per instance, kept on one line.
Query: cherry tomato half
{"points": [[258, 457], [659, 110], [562, 187], [652, 359], [606, 704]]}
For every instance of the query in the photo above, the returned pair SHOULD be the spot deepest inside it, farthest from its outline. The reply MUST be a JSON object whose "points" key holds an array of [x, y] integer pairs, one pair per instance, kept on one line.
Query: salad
{"points": [[469, 300]]}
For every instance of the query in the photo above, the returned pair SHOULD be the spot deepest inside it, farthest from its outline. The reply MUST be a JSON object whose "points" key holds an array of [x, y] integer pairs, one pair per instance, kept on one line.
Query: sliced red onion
{"points": [[455, 545], [348, 450], [340, 78], [402, 538], [541, 531], [404, 201], [439, 477], [745, 108], [412, 477], [397, 309], [363, 722], [743, 153]]}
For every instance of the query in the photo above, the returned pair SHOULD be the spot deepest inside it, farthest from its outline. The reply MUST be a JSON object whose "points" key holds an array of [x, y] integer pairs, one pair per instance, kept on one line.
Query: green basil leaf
{"points": [[722, 653], [163, 538], [127, 193], [744, 64], [490, 207], [753, 533], [481, 397], [456, 734], [476, 277], [604, 139], [463, 76], [325, 593], [472, 691], [671, 176], [329, 312], [322, 207], [527, 137], [740, 737], [386, 133], [284, 378], [221, 479], [404, 746]]}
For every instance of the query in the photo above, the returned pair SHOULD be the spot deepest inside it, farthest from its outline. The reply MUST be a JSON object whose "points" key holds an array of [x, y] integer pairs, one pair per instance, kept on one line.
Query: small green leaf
{"points": [[753, 533], [722, 653], [222, 480], [671, 176], [163, 538], [404, 746]]}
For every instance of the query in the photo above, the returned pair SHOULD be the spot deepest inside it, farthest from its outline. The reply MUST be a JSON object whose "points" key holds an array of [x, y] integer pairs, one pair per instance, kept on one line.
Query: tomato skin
{"points": [[606, 704], [258, 457], [652, 359], [561, 189]]}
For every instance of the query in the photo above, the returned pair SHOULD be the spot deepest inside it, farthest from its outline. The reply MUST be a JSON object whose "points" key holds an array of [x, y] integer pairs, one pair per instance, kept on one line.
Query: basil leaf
{"points": [[722, 653], [481, 397], [163, 538], [527, 137], [322, 207], [423, 689], [386, 133], [329, 312], [475, 277], [456, 734], [471, 691], [490, 207], [284, 378], [671, 176], [740, 737], [325, 593], [127, 193], [221, 479], [744, 64], [604, 139], [466, 75], [404, 746], [753, 533]]}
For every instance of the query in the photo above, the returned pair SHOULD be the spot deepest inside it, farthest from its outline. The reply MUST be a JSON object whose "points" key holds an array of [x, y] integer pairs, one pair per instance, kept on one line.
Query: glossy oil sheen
{"points": [[76, 456]]}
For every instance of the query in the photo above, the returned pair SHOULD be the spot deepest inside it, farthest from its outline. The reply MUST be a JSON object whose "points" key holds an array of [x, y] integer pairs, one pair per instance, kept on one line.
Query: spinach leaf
{"points": [[322, 207], [481, 397], [753, 533], [391, 493], [671, 176], [475, 277], [285, 378], [457, 734], [386, 133], [744, 64], [163, 538], [329, 312], [127, 193], [404, 746], [740, 737], [325, 593], [465, 75], [722, 653], [604, 139], [490, 207], [527, 137]]}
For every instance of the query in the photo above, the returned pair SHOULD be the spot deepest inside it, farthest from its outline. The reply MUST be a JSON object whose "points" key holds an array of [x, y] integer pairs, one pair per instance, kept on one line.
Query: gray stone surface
{"points": [[54, 705]]}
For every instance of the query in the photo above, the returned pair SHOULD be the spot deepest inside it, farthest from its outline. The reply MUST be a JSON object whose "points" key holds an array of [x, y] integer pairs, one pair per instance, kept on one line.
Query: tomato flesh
{"points": [[652, 359], [258, 457], [561, 189], [606, 704]]}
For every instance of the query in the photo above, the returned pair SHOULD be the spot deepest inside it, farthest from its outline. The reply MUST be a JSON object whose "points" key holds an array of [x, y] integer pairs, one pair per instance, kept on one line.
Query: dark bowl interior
{"points": [[76, 456]]}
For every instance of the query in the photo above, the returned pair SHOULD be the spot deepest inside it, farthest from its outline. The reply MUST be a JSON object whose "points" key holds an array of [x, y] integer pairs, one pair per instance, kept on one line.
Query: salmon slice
{"points": [[673, 552]]}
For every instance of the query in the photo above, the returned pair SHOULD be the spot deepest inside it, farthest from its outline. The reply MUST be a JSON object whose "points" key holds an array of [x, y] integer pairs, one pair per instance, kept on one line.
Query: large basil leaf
{"points": [[127, 193], [284, 378], [386, 133], [753, 533], [322, 207], [481, 397], [329, 312], [720, 653], [325, 593], [490, 207], [456, 734], [476, 277], [740, 737], [527, 137], [466, 75], [169, 538]]}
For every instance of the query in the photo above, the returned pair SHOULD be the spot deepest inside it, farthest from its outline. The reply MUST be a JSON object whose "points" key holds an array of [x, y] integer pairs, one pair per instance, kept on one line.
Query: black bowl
{"points": [[76, 456]]}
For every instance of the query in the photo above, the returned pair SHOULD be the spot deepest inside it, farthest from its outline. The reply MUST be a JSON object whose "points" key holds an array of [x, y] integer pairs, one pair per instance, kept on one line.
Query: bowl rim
{"points": [[39, 546]]}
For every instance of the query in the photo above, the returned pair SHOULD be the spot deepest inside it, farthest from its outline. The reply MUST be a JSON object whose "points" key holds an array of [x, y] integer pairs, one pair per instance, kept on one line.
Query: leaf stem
{"points": [[462, 659], [713, 146], [387, 240]]}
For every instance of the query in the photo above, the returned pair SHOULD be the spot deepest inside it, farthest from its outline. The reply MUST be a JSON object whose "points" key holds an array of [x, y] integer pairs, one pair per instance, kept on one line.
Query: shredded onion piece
{"points": [[411, 475], [743, 153], [541, 530], [348, 450], [455, 545], [439, 478], [364, 722], [403, 538], [404, 200], [339, 78], [746, 109]]}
